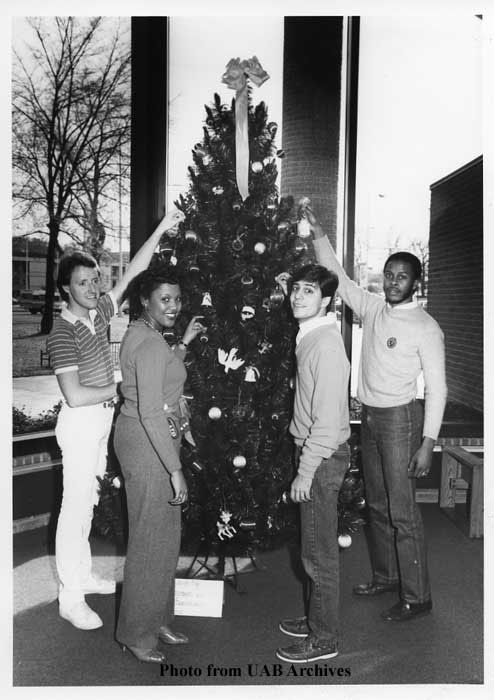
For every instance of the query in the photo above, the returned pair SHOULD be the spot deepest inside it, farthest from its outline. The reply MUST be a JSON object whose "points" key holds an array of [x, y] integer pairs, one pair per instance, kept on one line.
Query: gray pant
{"points": [[154, 538]]}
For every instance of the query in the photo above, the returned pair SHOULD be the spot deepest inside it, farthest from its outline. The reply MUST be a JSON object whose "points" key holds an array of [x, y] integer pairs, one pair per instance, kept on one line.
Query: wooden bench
{"points": [[462, 470], [39, 461]]}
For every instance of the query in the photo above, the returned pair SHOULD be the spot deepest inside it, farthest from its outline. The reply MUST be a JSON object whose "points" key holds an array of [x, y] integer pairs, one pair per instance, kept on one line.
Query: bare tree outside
{"points": [[71, 132], [421, 250]]}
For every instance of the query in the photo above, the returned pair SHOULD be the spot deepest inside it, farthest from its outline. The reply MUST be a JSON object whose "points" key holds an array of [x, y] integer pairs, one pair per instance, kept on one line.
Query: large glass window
{"points": [[200, 48], [419, 118]]}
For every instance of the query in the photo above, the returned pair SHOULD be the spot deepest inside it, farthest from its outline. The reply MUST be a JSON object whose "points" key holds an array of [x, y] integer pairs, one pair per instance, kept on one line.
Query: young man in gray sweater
{"points": [[400, 340], [320, 427]]}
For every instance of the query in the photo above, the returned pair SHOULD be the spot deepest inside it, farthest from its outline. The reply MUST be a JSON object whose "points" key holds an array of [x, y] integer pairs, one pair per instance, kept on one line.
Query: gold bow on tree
{"points": [[235, 76]]}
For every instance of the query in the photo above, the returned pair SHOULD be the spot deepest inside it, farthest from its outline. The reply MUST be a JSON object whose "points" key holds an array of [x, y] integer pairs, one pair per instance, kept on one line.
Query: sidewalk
{"points": [[33, 395]]}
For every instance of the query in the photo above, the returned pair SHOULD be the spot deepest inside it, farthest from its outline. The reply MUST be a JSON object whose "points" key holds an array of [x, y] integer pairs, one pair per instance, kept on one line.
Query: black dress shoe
{"points": [[371, 589], [405, 611]]}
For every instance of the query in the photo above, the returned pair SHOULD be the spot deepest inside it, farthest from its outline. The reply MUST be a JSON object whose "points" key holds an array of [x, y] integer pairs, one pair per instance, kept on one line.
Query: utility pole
{"points": [[26, 276]]}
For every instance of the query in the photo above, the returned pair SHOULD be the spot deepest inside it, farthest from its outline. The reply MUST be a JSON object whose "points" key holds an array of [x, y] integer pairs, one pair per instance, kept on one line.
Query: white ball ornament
{"points": [[239, 461], [214, 413], [344, 541], [260, 248], [303, 228], [256, 166]]}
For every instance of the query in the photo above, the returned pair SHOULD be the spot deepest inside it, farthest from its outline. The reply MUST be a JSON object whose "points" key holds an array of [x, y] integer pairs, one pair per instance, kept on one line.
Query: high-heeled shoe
{"points": [[168, 637], [148, 656]]}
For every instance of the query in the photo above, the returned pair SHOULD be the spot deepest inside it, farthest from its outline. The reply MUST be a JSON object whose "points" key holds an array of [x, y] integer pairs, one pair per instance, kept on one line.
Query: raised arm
{"points": [[353, 295], [323, 248], [142, 258]]}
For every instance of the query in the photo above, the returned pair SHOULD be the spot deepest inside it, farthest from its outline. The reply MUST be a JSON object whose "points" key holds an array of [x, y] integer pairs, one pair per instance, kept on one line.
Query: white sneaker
{"points": [[81, 616], [99, 585]]}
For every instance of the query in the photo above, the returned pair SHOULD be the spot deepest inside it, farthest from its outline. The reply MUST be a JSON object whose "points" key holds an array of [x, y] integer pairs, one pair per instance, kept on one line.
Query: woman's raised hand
{"points": [[195, 326]]}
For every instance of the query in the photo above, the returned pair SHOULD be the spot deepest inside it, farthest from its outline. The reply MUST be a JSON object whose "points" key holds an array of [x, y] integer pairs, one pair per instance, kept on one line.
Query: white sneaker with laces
{"points": [[99, 585], [81, 616]]}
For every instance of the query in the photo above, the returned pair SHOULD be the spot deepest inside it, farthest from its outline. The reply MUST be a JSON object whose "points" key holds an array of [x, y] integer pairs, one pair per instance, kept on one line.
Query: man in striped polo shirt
{"points": [[81, 358]]}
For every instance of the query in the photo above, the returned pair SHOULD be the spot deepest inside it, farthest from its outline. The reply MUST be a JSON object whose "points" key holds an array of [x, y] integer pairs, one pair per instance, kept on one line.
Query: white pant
{"points": [[82, 434]]}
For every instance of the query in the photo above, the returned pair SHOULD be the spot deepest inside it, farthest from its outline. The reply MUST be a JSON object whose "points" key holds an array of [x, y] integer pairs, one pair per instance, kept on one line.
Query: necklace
{"points": [[149, 324]]}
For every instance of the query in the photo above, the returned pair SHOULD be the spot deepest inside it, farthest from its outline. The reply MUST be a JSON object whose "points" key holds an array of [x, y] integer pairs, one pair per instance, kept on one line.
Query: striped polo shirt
{"points": [[82, 344]]}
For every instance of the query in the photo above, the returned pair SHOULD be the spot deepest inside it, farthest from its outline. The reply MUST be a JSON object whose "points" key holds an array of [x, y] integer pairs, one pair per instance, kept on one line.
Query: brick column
{"points": [[311, 113], [149, 116]]}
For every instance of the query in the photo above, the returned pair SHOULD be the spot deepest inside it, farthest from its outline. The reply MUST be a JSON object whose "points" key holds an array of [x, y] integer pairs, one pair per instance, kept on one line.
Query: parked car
{"points": [[34, 300]]}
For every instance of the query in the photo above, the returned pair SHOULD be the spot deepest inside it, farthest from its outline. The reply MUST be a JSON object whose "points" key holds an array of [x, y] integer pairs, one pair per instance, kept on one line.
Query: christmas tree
{"points": [[229, 253]]}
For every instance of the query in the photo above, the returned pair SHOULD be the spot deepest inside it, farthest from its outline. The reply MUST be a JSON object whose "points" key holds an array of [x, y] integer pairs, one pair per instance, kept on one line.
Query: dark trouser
{"points": [[154, 538], [320, 552], [390, 437]]}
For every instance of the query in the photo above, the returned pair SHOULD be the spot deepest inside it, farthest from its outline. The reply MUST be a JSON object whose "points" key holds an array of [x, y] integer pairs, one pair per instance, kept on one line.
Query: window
{"points": [[419, 118]]}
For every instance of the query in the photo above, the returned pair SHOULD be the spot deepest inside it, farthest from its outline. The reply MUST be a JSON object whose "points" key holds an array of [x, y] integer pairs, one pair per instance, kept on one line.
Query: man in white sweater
{"points": [[320, 428], [400, 340]]}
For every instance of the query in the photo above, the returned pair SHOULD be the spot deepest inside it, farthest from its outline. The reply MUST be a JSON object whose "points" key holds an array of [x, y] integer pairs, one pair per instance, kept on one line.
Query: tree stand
{"points": [[218, 569]]}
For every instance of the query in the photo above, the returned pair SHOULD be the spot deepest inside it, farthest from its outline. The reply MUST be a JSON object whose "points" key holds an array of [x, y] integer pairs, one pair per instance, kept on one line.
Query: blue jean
{"points": [[320, 552], [390, 437]]}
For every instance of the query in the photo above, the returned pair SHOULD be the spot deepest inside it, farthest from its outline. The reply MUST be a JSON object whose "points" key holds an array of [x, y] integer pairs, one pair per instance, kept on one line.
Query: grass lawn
{"points": [[26, 356], [26, 346]]}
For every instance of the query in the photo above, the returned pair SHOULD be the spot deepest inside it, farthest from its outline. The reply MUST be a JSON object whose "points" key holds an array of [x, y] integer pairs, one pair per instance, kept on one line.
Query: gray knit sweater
{"points": [[320, 420]]}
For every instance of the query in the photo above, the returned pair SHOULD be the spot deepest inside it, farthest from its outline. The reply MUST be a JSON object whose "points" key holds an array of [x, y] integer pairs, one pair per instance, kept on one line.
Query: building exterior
{"points": [[110, 268], [29, 268], [455, 294], [28, 272]]}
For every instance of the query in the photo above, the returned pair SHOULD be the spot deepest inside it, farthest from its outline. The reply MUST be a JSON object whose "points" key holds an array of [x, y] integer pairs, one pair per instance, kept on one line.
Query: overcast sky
{"points": [[419, 117]]}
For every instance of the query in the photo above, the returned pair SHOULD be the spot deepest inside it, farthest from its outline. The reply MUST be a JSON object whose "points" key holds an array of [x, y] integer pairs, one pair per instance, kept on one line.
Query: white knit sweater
{"points": [[398, 343]]}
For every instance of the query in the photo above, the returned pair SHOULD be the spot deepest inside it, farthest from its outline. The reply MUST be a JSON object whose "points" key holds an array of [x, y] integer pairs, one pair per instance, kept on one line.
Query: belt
{"points": [[181, 412], [110, 404]]}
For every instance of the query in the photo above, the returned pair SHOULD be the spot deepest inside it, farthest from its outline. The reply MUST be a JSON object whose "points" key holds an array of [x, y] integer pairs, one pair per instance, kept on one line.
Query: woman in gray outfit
{"points": [[147, 444]]}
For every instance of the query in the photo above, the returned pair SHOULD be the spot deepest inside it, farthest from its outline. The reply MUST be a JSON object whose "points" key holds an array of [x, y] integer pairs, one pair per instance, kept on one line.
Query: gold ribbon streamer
{"points": [[235, 77]]}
